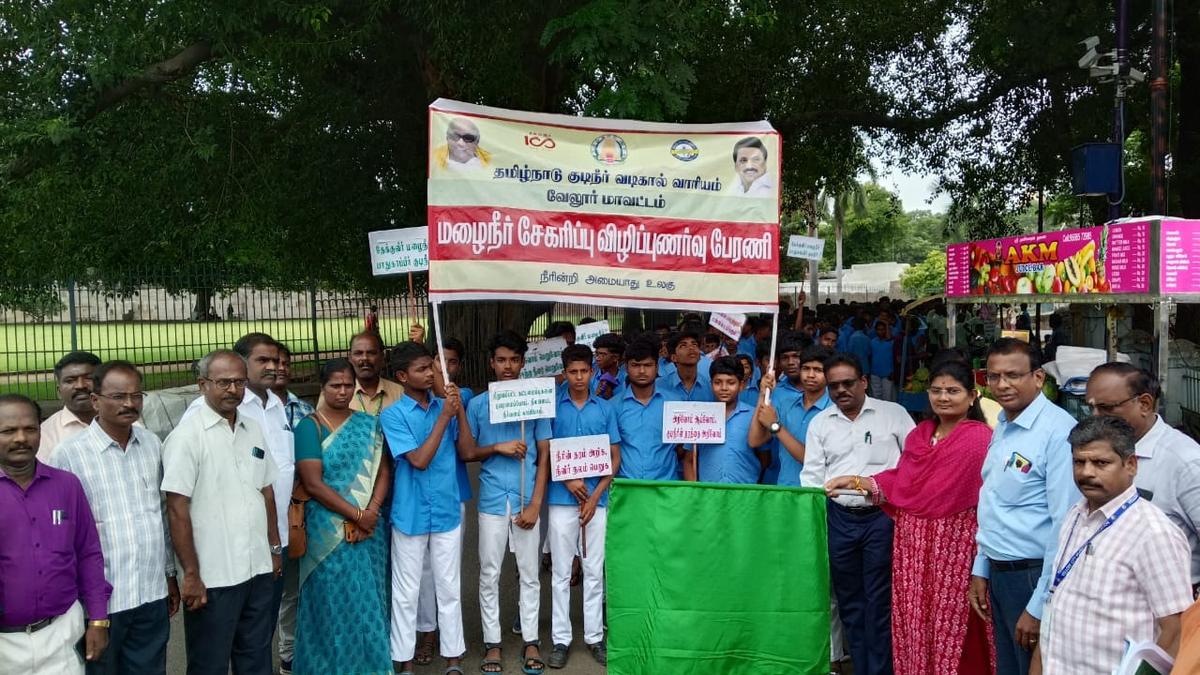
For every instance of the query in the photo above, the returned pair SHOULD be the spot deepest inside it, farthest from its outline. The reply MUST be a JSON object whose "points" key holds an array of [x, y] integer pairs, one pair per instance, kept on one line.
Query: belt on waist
{"points": [[859, 510], [1013, 565], [29, 627]]}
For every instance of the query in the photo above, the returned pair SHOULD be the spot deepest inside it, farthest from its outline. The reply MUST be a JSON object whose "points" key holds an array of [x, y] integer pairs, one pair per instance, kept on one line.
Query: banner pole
{"points": [[696, 460], [774, 344], [437, 335], [523, 467], [583, 539]]}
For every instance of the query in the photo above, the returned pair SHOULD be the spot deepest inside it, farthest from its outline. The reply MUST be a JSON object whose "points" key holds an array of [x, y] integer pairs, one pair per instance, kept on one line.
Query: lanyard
{"points": [[1063, 571], [363, 404]]}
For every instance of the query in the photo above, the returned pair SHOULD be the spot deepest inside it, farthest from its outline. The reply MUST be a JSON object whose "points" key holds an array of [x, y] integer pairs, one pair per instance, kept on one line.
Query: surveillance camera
{"points": [[1090, 43], [1089, 59], [1137, 75]]}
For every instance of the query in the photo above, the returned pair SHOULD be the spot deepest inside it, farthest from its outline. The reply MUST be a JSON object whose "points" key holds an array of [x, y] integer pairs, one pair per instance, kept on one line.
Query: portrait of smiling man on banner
{"points": [[461, 152], [750, 165]]}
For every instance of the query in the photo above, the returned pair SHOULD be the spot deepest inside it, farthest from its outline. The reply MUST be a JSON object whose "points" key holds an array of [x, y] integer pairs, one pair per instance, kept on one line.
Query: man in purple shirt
{"points": [[50, 559]]}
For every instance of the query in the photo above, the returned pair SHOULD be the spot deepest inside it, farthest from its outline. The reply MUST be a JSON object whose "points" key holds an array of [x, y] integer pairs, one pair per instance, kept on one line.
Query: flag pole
{"points": [[437, 336], [523, 467], [771, 356]]}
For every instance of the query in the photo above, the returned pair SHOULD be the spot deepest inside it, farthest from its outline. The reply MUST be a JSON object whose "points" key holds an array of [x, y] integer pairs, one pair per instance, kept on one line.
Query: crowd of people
{"points": [[1032, 545]]}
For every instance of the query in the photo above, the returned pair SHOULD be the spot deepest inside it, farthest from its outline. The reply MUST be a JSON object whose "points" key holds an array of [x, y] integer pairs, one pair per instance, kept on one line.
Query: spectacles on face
{"points": [[1108, 408], [469, 139], [1010, 378], [842, 384], [938, 392], [132, 397], [226, 383]]}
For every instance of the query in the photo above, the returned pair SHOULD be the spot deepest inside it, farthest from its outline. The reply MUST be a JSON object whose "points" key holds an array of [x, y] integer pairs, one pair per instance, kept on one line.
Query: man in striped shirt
{"points": [[120, 467], [1122, 569]]}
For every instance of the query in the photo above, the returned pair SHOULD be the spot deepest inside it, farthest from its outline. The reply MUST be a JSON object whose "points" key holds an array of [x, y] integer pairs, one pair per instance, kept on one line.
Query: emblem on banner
{"points": [[535, 139], [609, 149], [684, 150]]}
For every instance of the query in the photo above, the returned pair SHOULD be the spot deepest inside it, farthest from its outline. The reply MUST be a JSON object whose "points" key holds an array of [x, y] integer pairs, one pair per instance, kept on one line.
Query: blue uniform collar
{"points": [[1029, 415], [410, 403]]}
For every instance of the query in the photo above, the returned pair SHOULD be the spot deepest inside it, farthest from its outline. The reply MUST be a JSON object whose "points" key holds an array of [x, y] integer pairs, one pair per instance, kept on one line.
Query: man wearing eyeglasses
{"points": [[461, 151], [218, 477], [120, 466], [1168, 472], [1028, 486]]}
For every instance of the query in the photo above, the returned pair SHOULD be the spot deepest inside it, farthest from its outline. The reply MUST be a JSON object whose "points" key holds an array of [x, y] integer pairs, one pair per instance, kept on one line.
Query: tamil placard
{"points": [[399, 251], [544, 358], [533, 206], [516, 400], [808, 248], [587, 333], [729, 324], [580, 457], [688, 422]]}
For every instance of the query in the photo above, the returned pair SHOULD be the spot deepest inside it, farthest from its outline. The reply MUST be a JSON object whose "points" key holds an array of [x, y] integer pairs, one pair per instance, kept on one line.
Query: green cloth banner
{"points": [[716, 579]]}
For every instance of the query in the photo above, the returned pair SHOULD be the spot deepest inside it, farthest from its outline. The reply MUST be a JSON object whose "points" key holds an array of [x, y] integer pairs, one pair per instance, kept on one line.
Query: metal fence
{"points": [[164, 328]]}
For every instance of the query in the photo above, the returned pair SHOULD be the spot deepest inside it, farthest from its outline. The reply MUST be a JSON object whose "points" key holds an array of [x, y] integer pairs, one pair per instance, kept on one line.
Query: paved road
{"points": [[581, 662]]}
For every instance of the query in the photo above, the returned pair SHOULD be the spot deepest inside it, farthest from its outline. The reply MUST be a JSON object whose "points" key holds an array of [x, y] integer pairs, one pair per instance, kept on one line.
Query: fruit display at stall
{"points": [[1079, 272]]}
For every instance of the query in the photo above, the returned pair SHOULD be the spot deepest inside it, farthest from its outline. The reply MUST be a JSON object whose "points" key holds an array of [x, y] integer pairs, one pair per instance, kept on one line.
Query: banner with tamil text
{"points": [[533, 206]]}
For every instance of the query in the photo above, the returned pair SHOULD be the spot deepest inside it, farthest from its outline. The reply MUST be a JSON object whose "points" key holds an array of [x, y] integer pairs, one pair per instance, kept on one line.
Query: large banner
{"points": [[531, 206]]}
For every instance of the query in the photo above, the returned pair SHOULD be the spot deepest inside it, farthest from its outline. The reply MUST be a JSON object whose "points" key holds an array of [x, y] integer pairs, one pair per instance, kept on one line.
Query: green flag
{"points": [[716, 579]]}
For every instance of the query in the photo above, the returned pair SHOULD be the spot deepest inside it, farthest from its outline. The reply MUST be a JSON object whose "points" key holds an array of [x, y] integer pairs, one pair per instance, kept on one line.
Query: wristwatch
{"points": [[774, 427], [100, 623], [277, 549]]}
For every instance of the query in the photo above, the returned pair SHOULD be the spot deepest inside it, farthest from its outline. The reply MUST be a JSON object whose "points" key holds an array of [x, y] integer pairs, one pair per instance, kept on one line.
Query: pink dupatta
{"points": [[935, 481]]}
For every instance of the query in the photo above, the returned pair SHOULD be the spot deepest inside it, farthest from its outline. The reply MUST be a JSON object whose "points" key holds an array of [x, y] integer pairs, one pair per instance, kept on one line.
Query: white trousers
{"points": [[883, 388], [496, 534], [50, 651], [564, 545], [427, 601], [409, 554]]}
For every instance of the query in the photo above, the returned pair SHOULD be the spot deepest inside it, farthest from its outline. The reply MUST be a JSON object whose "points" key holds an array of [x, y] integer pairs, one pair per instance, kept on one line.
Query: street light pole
{"points": [[1158, 110], [1122, 63]]}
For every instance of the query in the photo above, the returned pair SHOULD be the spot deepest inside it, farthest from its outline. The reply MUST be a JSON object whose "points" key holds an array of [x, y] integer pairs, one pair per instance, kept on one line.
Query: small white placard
{"points": [[399, 251], [587, 333], [689, 422], [516, 400], [809, 248], [580, 457], [729, 324], [544, 358]]}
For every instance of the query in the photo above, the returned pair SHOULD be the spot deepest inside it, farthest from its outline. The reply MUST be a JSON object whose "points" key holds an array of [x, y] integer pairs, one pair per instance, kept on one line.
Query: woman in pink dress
{"points": [[932, 495]]}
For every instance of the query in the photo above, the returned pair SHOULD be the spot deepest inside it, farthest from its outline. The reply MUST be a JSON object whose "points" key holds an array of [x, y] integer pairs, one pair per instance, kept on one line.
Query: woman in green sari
{"points": [[343, 616]]}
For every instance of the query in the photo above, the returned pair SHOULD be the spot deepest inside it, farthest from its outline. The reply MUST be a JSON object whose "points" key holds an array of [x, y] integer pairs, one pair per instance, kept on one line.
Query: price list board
{"points": [[958, 270], [1127, 260], [1179, 266]]}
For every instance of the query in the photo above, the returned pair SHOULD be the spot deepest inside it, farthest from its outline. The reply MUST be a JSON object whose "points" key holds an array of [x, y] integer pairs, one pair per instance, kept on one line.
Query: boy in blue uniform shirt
{"points": [[580, 503], [502, 516], [422, 431], [882, 362], [689, 382], [639, 418], [793, 407], [733, 461], [608, 377]]}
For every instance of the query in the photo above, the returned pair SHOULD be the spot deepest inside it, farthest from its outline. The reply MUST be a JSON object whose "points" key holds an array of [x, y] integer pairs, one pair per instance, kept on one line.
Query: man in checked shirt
{"points": [[1122, 569]]}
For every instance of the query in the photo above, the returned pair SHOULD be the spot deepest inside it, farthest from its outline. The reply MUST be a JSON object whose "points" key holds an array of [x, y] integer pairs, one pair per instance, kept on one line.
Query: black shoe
{"points": [[558, 657], [599, 652], [516, 626]]}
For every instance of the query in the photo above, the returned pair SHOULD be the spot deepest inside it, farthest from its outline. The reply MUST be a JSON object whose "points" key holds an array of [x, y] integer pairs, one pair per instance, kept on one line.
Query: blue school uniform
{"points": [[464, 482], [500, 476], [643, 454], [701, 389], [747, 345], [596, 417], [424, 501], [665, 367], [860, 347], [732, 461], [881, 364], [794, 417], [617, 390]]}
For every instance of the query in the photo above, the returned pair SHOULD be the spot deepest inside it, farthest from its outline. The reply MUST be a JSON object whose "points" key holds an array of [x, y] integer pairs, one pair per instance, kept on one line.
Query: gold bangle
{"points": [[858, 483], [100, 623], [359, 516]]}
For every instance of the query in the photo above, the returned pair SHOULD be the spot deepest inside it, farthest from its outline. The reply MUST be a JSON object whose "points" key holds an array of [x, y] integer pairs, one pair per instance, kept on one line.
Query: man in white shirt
{"points": [[750, 164], [1168, 460], [858, 436], [221, 508], [120, 467], [73, 374], [1121, 568]]}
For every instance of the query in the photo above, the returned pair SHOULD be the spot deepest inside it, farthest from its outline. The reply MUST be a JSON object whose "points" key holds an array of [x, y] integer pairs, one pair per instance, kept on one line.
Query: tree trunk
{"points": [[837, 234], [476, 322]]}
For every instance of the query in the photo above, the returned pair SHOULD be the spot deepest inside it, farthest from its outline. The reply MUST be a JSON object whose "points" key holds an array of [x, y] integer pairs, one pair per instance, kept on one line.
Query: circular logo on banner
{"points": [[609, 149], [684, 150]]}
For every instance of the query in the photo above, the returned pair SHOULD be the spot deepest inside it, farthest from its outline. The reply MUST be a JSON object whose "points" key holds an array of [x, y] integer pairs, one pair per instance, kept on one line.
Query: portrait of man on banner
{"points": [[750, 167], [461, 151]]}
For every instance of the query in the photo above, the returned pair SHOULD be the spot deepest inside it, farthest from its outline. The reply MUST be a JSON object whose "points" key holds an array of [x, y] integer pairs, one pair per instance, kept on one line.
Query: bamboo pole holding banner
{"points": [[523, 467], [696, 460], [774, 344], [437, 336], [583, 539]]}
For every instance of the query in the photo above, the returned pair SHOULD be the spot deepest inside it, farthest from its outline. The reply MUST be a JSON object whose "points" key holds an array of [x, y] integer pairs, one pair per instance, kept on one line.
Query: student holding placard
{"points": [[508, 510], [422, 431], [608, 377], [578, 508], [733, 461], [639, 418]]}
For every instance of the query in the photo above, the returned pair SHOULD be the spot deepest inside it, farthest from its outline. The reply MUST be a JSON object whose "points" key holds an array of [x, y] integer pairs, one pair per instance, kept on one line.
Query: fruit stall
{"points": [[1147, 261]]}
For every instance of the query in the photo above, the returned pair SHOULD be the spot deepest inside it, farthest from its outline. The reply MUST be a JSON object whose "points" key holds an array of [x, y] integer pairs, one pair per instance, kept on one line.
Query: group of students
{"points": [[943, 536]]}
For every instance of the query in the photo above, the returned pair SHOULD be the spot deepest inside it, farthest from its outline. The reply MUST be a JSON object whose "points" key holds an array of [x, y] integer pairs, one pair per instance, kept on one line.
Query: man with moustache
{"points": [[1027, 489], [1168, 460], [120, 467], [860, 436], [50, 557], [221, 509], [73, 373], [1120, 568], [372, 392], [750, 164]]}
